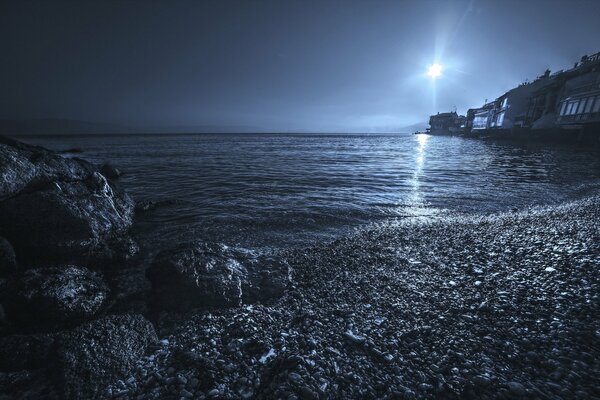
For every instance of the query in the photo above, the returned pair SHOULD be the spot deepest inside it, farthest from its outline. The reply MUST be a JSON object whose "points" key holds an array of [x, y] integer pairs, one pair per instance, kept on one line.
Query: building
{"points": [[579, 102], [480, 118], [449, 123], [552, 103]]}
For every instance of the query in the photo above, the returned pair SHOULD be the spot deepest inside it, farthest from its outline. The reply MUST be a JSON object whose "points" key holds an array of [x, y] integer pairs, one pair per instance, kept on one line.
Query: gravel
{"points": [[501, 306]]}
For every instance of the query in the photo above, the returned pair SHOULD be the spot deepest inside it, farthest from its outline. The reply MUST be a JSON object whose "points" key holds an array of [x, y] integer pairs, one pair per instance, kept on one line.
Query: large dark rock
{"points": [[72, 206], [202, 274], [8, 259], [100, 352], [196, 274], [23, 166], [57, 295]]}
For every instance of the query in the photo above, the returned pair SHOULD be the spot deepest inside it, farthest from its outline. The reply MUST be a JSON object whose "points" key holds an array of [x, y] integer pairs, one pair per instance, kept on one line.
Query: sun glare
{"points": [[434, 71]]}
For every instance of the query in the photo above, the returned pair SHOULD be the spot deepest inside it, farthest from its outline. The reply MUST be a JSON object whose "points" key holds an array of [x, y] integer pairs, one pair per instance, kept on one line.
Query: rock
{"points": [[87, 212], [196, 274], [16, 169], [129, 288], [72, 206], [57, 294], [482, 381], [516, 388], [8, 259], [354, 338], [110, 172], [100, 352], [25, 352], [206, 274], [112, 254], [23, 166]]}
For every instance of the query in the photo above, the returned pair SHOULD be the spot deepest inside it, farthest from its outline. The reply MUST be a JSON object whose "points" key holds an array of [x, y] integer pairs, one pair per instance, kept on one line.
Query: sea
{"points": [[266, 192]]}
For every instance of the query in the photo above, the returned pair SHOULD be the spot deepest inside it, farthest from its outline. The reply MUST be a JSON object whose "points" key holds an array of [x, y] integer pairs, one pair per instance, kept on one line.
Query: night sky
{"points": [[278, 65]]}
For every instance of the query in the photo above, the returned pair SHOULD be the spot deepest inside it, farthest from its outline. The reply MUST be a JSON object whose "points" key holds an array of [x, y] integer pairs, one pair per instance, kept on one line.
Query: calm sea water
{"points": [[259, 191]]}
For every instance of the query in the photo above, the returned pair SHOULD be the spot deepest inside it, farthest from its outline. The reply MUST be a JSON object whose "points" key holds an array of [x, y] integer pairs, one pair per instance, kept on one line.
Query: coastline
{"points": [[497, 306], [501, 306]]}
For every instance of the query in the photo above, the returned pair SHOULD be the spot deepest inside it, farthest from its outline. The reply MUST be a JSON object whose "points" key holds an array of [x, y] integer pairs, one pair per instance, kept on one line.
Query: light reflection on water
{"points": [[280, 190], [416, 198]]}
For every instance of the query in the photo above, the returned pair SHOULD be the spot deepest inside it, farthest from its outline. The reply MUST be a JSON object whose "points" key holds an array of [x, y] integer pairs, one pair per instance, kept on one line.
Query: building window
{"points": [[588, 107], [500, 120], [563, 108], [572, 108], [596, 105], [581, 106]]}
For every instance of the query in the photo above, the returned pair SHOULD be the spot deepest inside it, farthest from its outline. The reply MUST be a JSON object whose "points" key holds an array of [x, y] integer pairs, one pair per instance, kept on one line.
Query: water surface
{"points": [[259, 191]]}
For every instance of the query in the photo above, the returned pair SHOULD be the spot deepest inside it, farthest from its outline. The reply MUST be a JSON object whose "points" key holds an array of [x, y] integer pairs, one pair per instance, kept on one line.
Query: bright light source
{"points": [[435, 71]]}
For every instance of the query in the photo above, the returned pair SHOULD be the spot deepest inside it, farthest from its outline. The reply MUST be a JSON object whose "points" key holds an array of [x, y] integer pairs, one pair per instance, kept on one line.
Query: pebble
{"points": [[516, 388]]}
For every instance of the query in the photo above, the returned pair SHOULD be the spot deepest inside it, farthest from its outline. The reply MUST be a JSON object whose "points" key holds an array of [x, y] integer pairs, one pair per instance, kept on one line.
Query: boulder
{"points": [[23, 166], [200, 274], [70, 218], [8, 259], [55, 295], [196, 274], [72, 206], [16, 171], [97, 353]]}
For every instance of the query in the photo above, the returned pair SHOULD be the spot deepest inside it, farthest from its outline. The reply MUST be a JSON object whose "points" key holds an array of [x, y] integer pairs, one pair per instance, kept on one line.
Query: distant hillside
{"points": [[52, 126], [420, 126]]}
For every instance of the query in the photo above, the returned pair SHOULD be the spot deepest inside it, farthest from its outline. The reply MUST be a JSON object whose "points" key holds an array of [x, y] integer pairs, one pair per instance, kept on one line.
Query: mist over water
{"points": [[272, 191]]}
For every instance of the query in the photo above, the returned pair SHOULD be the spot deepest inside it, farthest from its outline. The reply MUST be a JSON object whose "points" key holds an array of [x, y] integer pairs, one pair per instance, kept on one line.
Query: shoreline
{"points": [[498, 306], [501, 306]]}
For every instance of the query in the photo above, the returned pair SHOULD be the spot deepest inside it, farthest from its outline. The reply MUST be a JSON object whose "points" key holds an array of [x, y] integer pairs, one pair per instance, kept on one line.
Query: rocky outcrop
{"points": [[72, 206], [196, 274], [77, 364], [23, 167], [70, 218], [201, 274], [66, 222], [56, 295], [98, 352]]}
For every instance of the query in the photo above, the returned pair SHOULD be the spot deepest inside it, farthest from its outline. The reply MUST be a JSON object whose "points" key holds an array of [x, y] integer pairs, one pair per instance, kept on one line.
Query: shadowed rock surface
{"points": [[56, 295], [71, 205], [67, 228], [202, 274], [196, 274], [499, 307], [100, 351]]}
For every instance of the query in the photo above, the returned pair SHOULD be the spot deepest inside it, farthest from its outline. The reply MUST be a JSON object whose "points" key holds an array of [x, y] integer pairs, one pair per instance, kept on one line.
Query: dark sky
{"points": [[278, 65]]}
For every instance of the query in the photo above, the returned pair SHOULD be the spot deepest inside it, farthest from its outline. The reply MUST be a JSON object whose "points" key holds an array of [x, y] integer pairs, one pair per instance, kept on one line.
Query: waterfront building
{"points": [[448, 123], [552, 103], [579, 103]]}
